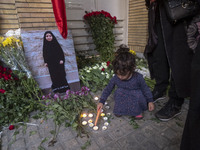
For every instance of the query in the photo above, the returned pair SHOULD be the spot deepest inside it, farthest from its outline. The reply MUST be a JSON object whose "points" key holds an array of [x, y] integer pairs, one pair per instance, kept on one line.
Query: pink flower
{"points": [[43, 97], [11, 127]]}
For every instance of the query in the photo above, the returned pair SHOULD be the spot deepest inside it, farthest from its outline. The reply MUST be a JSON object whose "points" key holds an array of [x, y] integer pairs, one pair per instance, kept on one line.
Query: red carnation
{"points": [[11, 127], [2, 91], [103, 69], [108, 63]]}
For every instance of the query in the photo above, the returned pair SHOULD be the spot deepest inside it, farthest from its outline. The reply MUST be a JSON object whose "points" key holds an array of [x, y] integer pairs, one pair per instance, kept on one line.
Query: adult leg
{"points": [[173, 107], [160, 66], [191, 134]]}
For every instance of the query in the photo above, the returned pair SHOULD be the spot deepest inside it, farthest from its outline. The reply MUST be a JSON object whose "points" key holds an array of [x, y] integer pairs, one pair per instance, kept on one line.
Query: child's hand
{"points": [[99, 106], [151, 106]]}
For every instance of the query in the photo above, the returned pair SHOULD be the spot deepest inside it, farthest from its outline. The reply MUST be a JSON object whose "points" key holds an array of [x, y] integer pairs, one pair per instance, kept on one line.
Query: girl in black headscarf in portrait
{"points": [[54, 59]]}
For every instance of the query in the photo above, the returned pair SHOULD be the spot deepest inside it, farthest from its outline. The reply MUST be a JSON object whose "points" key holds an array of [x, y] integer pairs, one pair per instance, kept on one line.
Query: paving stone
{"points": [[112, 146], [172, 147], [169, 133], [4, 147], [93, 146], [148, 131], [116, 122], [65, 135], [148, 145], [127, 128], [18, 144], [159, 125], [45, 127], [128, 142], [4, 139], [102, 138], [136, 147], [70, 144], [117, 133], [57, 146], [160, 141], [33, 142], [139, 136], [34, 145]]}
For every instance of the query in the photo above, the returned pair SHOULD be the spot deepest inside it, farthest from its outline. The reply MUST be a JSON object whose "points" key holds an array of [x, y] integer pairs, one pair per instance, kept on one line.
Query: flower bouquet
{"points": [[19, 96], [97, 76], [12, 54], [101, 26]]}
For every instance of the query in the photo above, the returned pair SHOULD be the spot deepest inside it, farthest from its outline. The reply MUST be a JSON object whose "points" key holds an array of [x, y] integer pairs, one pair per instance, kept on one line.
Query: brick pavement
{"points": [[151, 134]]}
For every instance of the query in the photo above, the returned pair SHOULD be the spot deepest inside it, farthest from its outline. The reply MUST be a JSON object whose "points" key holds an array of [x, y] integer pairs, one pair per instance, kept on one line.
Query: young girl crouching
{"points": [[132, 96]]}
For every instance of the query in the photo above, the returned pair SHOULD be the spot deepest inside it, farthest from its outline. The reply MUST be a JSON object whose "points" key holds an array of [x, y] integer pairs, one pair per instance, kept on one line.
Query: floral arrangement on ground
{"points": [[21, 95], [97, 76]]}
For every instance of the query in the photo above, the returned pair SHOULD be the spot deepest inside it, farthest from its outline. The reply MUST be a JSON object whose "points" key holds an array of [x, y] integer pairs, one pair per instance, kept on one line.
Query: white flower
{"points": [[100, 67], [10, 33], [87, 70], [102, 73], [107, 76], [95, 67], [18, 32]]}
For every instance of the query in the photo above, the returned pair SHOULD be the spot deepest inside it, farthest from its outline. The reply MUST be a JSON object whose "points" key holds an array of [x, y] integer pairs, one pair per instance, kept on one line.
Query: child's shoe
{"points": [[138, 117]]}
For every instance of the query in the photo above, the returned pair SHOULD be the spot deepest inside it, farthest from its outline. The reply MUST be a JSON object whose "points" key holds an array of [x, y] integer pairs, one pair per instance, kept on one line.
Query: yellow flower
{"points": [[132, 52], [5, 43], [1, 39]]}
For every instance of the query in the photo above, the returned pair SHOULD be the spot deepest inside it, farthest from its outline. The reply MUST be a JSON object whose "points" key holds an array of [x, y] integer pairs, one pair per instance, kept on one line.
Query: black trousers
{"points": [[191, 134], [161, 70]]}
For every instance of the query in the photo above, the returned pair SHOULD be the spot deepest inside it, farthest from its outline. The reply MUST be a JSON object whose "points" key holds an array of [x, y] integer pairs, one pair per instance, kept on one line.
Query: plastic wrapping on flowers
{"points": [[12, 54]]}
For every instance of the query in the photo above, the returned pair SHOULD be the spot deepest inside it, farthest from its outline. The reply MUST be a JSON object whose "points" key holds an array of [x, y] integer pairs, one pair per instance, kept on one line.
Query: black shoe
{"points": [[158, 95], [168, 112]]}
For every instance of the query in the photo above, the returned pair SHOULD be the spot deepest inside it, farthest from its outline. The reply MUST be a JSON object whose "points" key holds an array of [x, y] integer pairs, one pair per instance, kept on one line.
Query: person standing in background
{"points": [[169, 59], [191, 133]]}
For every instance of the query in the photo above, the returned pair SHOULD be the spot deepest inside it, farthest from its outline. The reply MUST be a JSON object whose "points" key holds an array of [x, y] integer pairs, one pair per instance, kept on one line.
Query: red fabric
{"points": [[60, 16]]}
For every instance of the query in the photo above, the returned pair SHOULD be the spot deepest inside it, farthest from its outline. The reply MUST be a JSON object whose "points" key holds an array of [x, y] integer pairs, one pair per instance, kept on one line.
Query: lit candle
{"points": [[105, 118], [106, 124], [104, 128], [102, 114], [90, 121], [95, 128], [91, 124], [84, 123], [96, 98], [90, 115], [108, 114], [107, 107], [84, 115]]}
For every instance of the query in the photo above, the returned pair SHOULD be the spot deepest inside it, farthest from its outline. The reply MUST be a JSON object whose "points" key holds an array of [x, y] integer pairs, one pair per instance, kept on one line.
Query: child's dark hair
{"points": [[122, 48], [123, 63]]}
